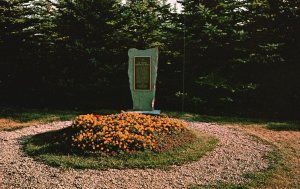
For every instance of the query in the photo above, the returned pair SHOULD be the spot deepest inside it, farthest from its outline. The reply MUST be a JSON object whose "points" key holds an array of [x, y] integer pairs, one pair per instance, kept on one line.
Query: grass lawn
{"points": [[16, 118], [47, 147], [269, 124]]}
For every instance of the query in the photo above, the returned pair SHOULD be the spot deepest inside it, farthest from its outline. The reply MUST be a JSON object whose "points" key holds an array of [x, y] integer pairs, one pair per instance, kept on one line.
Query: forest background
{"points": [[232, 57]]}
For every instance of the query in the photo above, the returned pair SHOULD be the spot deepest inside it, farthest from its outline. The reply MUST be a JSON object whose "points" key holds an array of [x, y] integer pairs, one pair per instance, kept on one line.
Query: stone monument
{"points": [[142, 72]]}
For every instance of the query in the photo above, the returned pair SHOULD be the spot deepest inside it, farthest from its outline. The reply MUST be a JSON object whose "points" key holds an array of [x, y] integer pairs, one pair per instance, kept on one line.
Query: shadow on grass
{"points": [[25, 115], [49, 148], [216, 119], [52, 142], [284, 126], [13, 128], [270, 124]]}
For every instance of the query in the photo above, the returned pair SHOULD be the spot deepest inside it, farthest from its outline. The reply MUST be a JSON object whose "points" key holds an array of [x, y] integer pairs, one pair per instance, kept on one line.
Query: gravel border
{"points": [[236, 154]]}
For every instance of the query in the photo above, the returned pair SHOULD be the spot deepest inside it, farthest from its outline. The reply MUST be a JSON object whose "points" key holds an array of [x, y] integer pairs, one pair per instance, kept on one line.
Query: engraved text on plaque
{"points": [[142, 73]]}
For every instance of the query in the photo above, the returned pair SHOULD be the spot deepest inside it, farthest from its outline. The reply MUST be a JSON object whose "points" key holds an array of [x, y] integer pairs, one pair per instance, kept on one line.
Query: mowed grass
{"points": [[50, 149], [16, 118], [284, 126], [275, 125]]}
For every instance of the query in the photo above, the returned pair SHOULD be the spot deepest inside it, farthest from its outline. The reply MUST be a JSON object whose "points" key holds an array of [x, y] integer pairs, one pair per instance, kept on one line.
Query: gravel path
{"points": [[236, 153]]}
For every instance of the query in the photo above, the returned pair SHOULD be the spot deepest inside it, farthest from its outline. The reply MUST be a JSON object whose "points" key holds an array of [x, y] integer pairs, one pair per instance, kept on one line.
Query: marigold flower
{"points": [[121, 132]]}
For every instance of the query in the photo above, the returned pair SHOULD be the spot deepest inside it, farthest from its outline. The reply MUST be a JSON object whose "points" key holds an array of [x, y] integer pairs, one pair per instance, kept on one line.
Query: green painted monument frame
{"points": [[142, 73]]}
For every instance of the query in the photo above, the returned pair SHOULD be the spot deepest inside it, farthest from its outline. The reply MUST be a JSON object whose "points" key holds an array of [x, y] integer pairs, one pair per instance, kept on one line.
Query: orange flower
{"points": [[121, 132]]}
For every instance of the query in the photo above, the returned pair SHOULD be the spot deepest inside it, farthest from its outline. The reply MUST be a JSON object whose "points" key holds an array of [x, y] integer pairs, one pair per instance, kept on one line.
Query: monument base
{"points": [[152, 112]]}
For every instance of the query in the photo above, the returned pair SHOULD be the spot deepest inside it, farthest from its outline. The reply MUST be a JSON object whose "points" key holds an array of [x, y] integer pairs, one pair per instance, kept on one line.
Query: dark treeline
{"points": [[240, 57]]}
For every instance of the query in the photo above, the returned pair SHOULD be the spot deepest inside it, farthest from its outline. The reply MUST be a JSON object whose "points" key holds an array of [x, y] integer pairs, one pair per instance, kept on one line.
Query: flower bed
{"points": [[126, 132]]}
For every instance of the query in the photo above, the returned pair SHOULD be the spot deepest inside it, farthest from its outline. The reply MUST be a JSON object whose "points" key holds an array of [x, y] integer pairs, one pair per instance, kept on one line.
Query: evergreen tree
{"points": [[24, 40]]}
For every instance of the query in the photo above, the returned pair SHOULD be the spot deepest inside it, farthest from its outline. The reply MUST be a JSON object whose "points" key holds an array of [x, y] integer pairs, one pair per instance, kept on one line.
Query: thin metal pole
{"points": [[183, 63]]}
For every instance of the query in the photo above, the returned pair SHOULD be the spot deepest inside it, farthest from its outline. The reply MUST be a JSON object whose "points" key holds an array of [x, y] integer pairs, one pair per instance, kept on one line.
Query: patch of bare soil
{"points": [[10, 125]]}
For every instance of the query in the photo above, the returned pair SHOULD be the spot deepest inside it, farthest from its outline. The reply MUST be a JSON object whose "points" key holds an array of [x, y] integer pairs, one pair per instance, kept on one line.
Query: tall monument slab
{"points": [[142, 72]]}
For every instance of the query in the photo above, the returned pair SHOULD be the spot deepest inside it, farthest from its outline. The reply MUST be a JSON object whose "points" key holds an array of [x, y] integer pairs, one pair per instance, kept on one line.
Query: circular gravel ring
{"points": [[236, 154]]}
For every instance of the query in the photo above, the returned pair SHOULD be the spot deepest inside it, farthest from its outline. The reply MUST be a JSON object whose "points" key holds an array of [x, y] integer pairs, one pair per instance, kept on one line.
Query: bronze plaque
{"points": [[142, 73]]}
